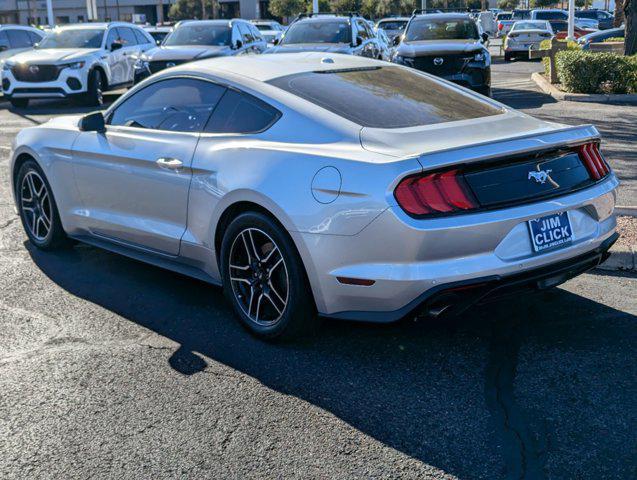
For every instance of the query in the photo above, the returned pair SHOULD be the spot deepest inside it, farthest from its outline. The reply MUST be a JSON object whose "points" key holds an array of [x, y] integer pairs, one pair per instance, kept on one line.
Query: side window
{"points": [[176, 104], [141, 38], [127, 36], [362, 31], [112, 37], [255, 33], [35, 38], [4, 41], [241, 113], [245, 33], [19, 38]]}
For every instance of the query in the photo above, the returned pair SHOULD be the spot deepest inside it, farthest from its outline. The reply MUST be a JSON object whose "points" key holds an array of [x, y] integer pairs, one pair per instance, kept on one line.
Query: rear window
{"points": [[385, 97], [393, 25], [551, 15]]}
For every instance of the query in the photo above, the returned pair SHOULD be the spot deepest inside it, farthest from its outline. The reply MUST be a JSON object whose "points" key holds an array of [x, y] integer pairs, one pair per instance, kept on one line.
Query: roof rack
{"points": [[301, 16]]}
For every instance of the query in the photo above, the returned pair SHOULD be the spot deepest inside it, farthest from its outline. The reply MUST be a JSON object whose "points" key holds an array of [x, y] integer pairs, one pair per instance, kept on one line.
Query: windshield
{"points": [[551, 15], [504, 16], [318, 32], [529, 26], [264, 26], [73, 38], [521, 14], [385, 97], [205, 34], [393, 25], [559, 25], [441, 30]]}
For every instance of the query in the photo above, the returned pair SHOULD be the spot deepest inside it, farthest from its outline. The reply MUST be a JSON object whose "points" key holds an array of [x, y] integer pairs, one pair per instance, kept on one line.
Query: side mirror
{"points": [[485, 37], [275, 41], [93, 122], [239, 44], [116, 46], [4, 48], [396, 40], [359, 41]]}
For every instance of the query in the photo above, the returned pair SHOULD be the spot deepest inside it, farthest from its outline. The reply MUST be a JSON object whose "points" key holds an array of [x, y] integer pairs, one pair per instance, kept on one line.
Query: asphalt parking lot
{"points": [[114, 369]]}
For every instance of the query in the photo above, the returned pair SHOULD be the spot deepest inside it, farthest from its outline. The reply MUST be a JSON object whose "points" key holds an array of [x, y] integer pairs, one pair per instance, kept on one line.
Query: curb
{"points": [[626, 211], [547, 87], [621, 258]]}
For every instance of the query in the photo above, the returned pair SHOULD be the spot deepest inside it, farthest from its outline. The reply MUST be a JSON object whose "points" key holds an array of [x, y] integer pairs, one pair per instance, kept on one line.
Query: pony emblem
{"points": [[540, 177]]}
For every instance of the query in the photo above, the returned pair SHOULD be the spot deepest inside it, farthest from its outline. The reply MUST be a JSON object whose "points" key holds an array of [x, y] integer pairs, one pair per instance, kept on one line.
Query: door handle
{"points": [[169, 163]]}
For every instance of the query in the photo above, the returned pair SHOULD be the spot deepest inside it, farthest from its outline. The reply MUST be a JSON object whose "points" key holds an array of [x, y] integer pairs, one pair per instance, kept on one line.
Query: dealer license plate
{"points": [[552, 231]]}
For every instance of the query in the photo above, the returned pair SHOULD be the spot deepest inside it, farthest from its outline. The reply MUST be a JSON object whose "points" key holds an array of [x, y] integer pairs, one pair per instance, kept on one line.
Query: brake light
{"points": [[434, 193], [500, 25], [593, 161]]}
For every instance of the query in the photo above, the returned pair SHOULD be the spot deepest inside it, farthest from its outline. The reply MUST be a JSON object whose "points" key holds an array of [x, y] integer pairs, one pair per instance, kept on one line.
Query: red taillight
{"points": [[435, 193], [592, 159], [500, 26]]}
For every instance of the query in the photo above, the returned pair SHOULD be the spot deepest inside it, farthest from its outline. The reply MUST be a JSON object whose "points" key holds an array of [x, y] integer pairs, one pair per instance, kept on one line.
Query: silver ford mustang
{"points": [[319, 183]]}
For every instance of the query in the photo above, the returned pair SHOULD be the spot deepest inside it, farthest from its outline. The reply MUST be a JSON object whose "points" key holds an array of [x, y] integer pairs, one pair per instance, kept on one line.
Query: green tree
{"points": [[185, 9], [287, 8], [542, 3], [507, 4]]}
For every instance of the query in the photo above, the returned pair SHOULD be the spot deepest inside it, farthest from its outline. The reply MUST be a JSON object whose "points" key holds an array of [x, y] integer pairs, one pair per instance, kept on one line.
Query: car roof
{"points": [[267, 67], [211, 22], [393, 19], [442, 16]]}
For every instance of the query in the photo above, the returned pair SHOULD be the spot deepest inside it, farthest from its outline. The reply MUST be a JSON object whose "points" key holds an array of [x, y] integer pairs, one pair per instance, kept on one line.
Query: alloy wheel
{"points": [[259, 276], [35, 202]]}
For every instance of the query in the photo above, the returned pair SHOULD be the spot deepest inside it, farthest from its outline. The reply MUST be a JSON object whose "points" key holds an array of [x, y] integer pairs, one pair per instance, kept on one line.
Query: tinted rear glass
{"points": [[550, 15], [385, 97], [337, 31], [393, 25]]}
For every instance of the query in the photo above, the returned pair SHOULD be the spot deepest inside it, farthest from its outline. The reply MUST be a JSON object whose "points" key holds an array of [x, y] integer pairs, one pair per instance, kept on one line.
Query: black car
{"points": [[198, 39], [604, 19], [348, 34], [448, 45]]}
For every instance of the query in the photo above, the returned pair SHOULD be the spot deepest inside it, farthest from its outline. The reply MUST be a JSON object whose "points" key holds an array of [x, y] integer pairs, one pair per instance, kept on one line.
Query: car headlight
{"points": [[73, 66], [479, 57], [6, 66], [408, 61]]}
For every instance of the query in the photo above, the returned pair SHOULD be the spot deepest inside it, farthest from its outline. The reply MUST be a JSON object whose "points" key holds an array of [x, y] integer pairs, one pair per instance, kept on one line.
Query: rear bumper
{"points": [[410, 260], [455, 298]]}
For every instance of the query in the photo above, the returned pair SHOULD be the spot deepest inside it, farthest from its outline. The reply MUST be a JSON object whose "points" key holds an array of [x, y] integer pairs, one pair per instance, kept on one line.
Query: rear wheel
{"points": [[94, 93], [19, 102], [264, 279], [507, 57], [37, 208]]}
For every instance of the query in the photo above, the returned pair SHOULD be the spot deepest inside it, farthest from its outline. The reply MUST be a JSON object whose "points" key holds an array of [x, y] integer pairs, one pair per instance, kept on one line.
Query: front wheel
{"points": [[264, 278], [37, 208], [94, 92]]}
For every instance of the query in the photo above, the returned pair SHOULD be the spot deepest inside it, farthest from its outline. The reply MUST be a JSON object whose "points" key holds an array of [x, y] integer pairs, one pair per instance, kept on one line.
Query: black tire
{"points": [[55, 237], [507, 57], [94, 92], [19, 102], [297, 317]]}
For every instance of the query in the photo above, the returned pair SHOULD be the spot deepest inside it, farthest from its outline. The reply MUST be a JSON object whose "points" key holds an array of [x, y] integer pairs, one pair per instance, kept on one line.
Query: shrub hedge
{"points": [[586, 72], [546, 45]]}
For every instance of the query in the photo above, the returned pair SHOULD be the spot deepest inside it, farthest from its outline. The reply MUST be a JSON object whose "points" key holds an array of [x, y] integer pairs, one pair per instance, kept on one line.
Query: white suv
{"points": [[76, 61]]}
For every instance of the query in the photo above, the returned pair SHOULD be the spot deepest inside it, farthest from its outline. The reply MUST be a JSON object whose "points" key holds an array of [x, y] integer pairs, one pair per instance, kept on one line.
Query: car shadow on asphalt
{"points": [[449, 393]]}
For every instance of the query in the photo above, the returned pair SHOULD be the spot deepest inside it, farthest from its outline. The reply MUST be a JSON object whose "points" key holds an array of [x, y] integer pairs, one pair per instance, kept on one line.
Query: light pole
{"points": [[571, 20], [49, 12], [423, 4], [315, 8]]}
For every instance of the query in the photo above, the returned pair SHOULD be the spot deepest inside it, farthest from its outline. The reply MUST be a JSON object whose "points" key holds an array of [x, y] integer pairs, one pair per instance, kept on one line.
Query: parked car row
{"points": [[83, 61], [585, 20]]}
